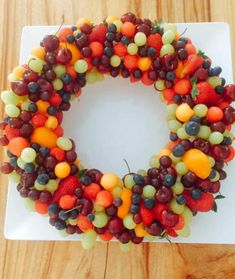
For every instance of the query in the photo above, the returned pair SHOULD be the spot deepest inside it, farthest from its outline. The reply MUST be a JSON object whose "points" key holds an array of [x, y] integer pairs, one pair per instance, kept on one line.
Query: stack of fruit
{"points": [[182, 178]]}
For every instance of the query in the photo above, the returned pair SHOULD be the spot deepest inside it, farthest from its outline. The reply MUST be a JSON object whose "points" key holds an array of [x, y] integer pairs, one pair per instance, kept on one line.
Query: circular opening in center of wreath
{"points": [[116, 120]]}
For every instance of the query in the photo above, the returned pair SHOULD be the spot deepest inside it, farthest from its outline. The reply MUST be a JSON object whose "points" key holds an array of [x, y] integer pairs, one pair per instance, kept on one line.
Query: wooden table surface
{"points": [[67, 260]]}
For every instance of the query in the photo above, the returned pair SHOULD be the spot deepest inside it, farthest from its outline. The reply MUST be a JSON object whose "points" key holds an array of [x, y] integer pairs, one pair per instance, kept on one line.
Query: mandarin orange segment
{"points": [[123, 210], [44, 137]]}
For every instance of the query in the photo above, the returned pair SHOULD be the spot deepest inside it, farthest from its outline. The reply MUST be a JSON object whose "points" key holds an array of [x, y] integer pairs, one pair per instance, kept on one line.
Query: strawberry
{"points": [[204, 204], [146, 214], [171, 233], [66, 187], [157, 210], [98, 33], [192, 63], [155, 41], [169, 219], [205, 94]]}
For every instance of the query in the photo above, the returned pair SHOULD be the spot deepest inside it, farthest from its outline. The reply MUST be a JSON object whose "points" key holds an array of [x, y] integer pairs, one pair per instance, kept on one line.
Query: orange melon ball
{"points": [[39, 52], [184, 112], [44, 137], [109, 181], [42, 106], [144, 63], [17, 144], [62, 170]]}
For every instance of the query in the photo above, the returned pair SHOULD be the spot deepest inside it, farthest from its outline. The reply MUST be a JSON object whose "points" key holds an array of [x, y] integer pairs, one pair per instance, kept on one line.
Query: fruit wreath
{"points": [[183, 179]]}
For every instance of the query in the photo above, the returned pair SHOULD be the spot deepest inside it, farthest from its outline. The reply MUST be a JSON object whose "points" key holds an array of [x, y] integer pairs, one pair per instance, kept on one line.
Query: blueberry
{"points": [[13, 161], [212, 174], [6, 119], [151, 52], [206, 64], [177, 99], [63, 215], [66, 78], [73, 214], [85, 180], [217, 71], [112, 28], [117, 202], [29, 167], [35, 146], [178, 150], [196, 194], [137, 74], [192, 128], [66, 98], [60, 224], [169, 180], [44, 151], [53, 208], [90, 217], [70, 38], [181, 199], [170, 76], [125, 40], [227, 141], [43, 178], [196, 119], [9, 154], [134, 208], [74, 28], [52, 110], [135, 198], [223, 81], [32, 107], [149, 203], [110, 36], [139, 179], [219, 89], [173, 137], [183, 39], [33, 87], [108, 51]]}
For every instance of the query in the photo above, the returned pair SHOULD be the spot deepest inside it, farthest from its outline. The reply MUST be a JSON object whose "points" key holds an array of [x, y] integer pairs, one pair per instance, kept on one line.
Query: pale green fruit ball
{"points": [[181, 133], [181, 168], [64, 143], [12, 110], [59, 70], [129, 181], [132, 48], [144, 172], [39, 187], [177, 188], [81, 66], [29, 204], [185, 232], [175, 207], [216, 178], [128, 222], [101, 219], [216, 138], [52, 185], [214, 81], [149, 191], [212, 161], [167, 49], [160, 84], [174, 159], [140, 39], [91, 77], [89, 239], [28, 155], [25, 105], [73, 222], [174, 125], [149, 237], [171, 110], [98, 208], [154, 162], [204, 132], [57, 84], [200, 110], [115, 61], [117, 192], [36, 65], [125, 247], [170, 26], [9, 97], [168, 37], [20, 163], [118, 24], [63, 232], [14, 177], [187, 215]]}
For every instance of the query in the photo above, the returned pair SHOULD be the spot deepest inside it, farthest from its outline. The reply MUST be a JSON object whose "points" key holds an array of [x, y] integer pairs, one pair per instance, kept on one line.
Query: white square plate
{"points": [[115, 120]]}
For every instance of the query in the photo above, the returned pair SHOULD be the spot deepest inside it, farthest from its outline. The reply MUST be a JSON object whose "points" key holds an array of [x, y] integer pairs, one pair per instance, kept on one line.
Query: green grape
{"points": [[228, 134], [214, 81], [63, 232], [81, 66], [140, 39], [9, 97], [29, 204], [174, 159], [14, 177], [101, 219], [185, 232], [52, 185], [170, 26], [187, 215], [99, 76], [125, 247], [35, 65], [144, 172], [181, 168], [132, 48], [117, 192], [175, 207], [128, 222], [98, 208], [200, 110], [20, 163], [160, 84], [12, 110], [91, 77], [181, 133], [171, 110], [59, 70], [120, 183], [64, 143], [118, 24], [177, 188], [212, 161], [204, 132], [149, 191], [154, 162], [73, 222], [216, 178], [39, 187], [168, 37], [25, 105], [57, 84], [89, 239], [167, 49], [216, 138], [174, 125], [129, 181], [115, 61], [28, 155], [149, 237], [76, 32]]}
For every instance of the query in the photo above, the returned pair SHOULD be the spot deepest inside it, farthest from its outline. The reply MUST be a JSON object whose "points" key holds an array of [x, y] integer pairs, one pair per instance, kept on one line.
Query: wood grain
{"points": [[35, 259]]}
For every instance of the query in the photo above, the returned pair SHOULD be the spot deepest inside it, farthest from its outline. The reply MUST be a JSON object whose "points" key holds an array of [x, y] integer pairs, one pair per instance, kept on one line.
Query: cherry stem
{"points": [[184, 31], [77, 207], [128, 167], [62, 23]]}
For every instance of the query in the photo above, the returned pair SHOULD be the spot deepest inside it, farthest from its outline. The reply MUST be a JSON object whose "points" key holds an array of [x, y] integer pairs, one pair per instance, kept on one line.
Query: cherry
{"points": [[220, 152], [128, 17], [115, 225], [169, 219], [50, 42], [64, 56], [30, 76], [201, 74], [95, 175], [164, 194], [155, 229], [218, 127], [202, 145], [19, 87], [170, 62]]}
